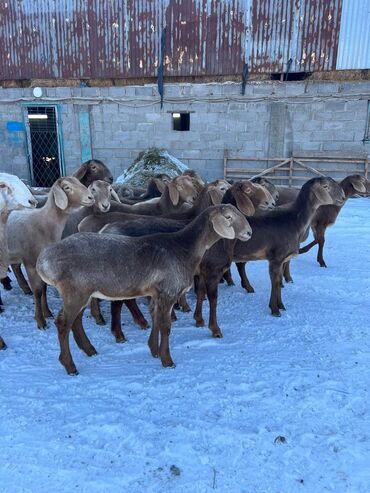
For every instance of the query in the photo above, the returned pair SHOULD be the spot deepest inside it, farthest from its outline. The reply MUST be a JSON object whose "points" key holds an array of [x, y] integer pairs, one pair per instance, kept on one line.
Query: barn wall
{"points": [[272, 119]]}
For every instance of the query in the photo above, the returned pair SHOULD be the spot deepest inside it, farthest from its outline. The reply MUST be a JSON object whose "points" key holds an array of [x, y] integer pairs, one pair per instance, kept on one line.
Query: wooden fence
{"points": [[293, 171]]}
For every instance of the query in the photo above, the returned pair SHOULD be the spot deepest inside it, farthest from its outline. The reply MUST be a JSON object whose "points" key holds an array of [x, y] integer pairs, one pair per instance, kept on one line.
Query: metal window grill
{"points": [[43, 136]]}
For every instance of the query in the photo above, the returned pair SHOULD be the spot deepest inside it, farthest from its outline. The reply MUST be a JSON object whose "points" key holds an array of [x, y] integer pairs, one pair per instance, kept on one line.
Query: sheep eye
{"points": [[66, 189], [93, 168], [93, 189]]}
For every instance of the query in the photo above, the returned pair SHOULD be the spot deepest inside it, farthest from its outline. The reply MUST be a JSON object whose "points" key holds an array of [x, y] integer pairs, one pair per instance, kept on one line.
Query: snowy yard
{"points": [[127, 425]]}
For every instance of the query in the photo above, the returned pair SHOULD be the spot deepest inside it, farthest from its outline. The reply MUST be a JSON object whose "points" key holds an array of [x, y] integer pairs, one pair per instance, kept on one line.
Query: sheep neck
{"points": [[195, 239]]}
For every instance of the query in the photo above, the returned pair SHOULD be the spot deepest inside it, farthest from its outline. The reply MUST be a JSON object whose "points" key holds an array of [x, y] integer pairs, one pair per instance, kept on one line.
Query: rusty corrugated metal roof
{"points": [[304, 31], [116, 38]]}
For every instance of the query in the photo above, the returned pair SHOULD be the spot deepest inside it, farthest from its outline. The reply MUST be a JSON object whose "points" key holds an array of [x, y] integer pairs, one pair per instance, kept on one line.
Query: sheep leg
{"points": [[320, 235], [200, 291], [82, 341], [21, 280], [44, 303], [96, 312], [2, 344], [243, 277], [212, 294], [162, 318], [116, 329], [73, 304], [183, 303], [275, 304], [286, 272], [136, 313], [63, 322], [228, 278], [7, 283], [153, 341], [308, 247], [1, 304], [37, 287]]}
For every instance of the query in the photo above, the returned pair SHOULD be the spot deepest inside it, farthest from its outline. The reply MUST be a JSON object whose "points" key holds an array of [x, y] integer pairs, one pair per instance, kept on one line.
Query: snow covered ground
{"points": [[212, 424]]}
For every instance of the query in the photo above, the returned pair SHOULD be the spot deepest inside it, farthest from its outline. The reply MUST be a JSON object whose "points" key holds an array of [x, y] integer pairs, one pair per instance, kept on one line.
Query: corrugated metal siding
{"points": [[306, 31], [115, 38], [205, 37], [354, 39]]}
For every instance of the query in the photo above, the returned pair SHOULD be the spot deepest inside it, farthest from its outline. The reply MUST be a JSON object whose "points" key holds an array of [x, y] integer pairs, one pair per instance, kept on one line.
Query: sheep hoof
{"points": [[42, 325], [27, 291], [143, 325], [100, 321], [275, 313], [249, 289], [199, 323], [169, 364], [91, 352], [3, 346], [120, 340], [323, 264], [73, 373], [217, 334]]}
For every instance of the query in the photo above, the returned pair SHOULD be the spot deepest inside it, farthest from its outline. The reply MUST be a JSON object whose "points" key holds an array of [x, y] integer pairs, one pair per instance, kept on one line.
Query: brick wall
{"points": [[272, 119]]}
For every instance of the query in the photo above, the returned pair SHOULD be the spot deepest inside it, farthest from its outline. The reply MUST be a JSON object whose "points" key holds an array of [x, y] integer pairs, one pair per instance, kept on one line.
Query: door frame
{"points": [[58, 120]]}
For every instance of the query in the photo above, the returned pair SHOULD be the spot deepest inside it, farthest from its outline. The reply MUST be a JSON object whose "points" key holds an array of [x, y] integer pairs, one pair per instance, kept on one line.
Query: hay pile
{"points": [[149, 163]]}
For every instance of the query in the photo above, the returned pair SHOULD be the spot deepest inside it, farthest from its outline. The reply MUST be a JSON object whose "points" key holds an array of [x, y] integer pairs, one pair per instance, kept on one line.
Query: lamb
{"points": [[155, 188], [30, 231], [88, 172], [93, 170], [178, 192], [263, 181], [103, 193], [277, 234], [326, 215], [14, 195], [167, 266]]}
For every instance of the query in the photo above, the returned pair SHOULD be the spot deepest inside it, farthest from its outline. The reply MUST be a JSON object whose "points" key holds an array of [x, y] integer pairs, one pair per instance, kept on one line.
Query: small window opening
{"points": [[181, 121], [291, 76]]}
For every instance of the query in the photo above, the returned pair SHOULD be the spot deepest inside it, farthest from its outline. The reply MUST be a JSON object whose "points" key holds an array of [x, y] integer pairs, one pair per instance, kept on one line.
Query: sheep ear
{"points": [[174, 193], [244, 203], [358, 185], [81, 172], [60, 197], [115, 196], [322, 195], [160, 184], [222, 227], [215, 196]]}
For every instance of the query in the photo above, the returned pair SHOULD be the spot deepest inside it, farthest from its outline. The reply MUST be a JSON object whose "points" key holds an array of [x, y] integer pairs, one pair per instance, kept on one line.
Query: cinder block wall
{"points": [[272, 119]]}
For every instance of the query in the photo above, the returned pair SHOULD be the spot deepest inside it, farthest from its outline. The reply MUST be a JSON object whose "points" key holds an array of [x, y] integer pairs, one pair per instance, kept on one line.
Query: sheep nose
{"points": [[90, 197], [33, 202], [105, 206]]}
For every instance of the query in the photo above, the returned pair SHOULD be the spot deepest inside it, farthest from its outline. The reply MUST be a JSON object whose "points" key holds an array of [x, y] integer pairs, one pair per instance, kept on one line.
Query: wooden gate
{"points": [[293, 171]]}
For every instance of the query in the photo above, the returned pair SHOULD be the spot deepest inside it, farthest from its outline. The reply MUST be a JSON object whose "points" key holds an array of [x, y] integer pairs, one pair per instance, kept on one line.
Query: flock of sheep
{"points": [[120, 243]]}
